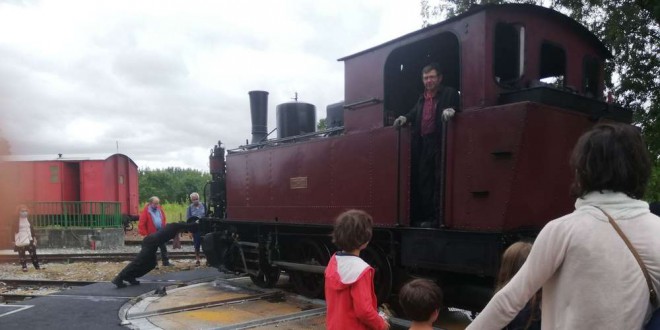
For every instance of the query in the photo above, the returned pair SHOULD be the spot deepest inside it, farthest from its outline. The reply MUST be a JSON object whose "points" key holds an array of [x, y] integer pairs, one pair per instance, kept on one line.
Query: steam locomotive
{"points": [[530, 81]]}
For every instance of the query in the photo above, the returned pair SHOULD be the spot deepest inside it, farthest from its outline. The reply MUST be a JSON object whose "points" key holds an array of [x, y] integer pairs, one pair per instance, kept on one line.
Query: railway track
{"points": [[136, 242], [54, 283], [11, 297], [92, 257], [11, 285]]}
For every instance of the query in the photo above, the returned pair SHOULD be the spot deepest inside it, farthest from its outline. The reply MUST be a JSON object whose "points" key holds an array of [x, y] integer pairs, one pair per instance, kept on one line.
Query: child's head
{"points": [[514, 257], [421, 300], [352, 230]]}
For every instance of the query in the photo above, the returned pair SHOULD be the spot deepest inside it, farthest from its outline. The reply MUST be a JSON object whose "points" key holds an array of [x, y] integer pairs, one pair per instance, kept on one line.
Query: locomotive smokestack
{"points": [[259, 112]]}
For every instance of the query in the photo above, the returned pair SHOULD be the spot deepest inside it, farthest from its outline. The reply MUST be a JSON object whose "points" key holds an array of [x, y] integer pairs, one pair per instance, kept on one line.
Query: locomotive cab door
{"points": [[403, 88]]}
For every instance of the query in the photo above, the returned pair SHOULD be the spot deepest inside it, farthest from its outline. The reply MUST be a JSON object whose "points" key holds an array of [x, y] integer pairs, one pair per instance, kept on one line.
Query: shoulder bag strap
{"points": [[652, 293]]}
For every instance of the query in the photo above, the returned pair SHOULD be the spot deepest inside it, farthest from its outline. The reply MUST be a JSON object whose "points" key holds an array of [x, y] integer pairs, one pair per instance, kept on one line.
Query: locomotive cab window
{"points": [[403, 71], [590, 77], [508, 51], [553, 65]]}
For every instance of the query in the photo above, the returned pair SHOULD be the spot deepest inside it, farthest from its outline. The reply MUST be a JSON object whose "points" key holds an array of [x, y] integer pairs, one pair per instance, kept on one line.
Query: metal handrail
{"points": [[76, 214], [273, 142]]}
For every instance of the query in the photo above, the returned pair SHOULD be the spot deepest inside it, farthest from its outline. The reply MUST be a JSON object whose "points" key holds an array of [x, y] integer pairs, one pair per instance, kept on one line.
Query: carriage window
{"points": [[54, 174], [590, 76], [553, 65], [508, 53]]}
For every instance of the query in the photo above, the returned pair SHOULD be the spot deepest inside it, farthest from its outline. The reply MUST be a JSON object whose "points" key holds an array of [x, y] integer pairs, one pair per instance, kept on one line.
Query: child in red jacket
{"points": [[349, 281]]}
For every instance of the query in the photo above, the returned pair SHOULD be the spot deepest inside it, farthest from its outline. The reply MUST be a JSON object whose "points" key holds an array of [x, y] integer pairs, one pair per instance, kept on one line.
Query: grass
{"points": [[175, 212]]}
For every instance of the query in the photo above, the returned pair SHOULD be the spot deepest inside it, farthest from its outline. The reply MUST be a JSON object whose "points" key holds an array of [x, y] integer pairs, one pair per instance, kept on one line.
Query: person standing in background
{"points": [[196, 209], [152, 219], [24, 238]]}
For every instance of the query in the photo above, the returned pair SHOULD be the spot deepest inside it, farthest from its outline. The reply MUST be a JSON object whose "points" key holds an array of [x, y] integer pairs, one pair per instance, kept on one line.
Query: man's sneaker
{"points": [[133, 281], [167, 264], [118, 282]]}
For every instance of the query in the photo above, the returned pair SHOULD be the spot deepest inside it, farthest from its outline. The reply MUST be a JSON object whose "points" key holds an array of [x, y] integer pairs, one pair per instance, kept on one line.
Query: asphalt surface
{"points": [[94, 306]]}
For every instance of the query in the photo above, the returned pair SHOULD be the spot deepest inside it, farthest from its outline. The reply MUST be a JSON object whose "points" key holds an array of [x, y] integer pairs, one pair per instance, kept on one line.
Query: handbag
{"points": [[654, 322], [21, 239]]}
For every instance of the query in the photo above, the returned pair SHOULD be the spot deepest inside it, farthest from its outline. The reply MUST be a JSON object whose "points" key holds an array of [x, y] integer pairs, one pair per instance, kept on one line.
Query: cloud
{"points": [[165, 80]]}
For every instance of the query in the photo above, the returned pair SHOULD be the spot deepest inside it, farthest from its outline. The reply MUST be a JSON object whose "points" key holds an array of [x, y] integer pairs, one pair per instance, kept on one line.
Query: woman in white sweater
{"points": [[24, 238], [590, 278]]}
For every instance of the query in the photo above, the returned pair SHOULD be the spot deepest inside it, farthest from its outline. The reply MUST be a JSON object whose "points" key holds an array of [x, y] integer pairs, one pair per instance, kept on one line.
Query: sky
{"points": [[164, 81]]}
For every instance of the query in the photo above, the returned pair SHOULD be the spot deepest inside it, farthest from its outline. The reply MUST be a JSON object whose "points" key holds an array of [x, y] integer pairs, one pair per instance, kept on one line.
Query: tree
{"points": [[172, 184], [321, 125], [630, 29]]}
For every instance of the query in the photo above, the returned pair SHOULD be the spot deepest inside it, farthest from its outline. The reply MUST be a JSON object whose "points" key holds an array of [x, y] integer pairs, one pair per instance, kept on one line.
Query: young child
{"points": [[421, 301], [513, 258], [349, 285]]}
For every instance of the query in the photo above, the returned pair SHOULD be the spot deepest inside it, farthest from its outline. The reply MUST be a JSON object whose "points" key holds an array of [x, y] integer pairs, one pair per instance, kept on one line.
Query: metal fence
{"points": [[76, 214]]}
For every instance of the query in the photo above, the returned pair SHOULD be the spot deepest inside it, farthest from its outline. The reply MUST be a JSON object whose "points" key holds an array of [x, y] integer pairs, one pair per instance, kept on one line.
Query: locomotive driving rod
{"points": [[300, 267]]}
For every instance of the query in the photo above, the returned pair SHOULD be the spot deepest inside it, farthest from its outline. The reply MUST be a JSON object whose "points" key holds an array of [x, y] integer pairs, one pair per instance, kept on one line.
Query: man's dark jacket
{"points": [[446, 97]]}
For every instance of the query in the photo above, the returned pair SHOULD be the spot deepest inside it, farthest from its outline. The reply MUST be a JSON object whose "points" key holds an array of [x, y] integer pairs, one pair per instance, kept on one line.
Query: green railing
{"points": [[76, 214]]}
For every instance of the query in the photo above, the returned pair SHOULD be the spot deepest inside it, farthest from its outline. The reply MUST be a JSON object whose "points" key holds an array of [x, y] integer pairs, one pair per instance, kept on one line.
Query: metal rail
{"points": [[182, 308], [139, 242], [93, 257], [10, 297], [54, 283]]}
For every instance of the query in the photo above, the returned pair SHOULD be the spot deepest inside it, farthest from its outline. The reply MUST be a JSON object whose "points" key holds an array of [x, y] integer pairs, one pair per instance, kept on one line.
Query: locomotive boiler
{"points": [[530, 81]]}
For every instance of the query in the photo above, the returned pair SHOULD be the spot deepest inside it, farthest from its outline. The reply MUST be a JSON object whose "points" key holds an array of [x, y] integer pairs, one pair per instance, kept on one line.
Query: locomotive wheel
{"points": [[310, 252], [266, 279], [383, 276]]}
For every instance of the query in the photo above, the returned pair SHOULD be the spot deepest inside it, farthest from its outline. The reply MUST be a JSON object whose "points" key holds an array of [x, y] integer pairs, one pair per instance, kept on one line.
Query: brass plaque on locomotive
{"points": [[298, 182]]}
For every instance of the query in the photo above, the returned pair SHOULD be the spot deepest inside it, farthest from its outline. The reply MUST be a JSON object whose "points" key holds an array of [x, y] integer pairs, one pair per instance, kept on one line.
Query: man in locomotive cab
{"points": [[433, 109]]}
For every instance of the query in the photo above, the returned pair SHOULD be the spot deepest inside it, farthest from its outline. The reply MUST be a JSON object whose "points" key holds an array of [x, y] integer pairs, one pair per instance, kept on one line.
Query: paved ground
{"points": [[94, 306]]}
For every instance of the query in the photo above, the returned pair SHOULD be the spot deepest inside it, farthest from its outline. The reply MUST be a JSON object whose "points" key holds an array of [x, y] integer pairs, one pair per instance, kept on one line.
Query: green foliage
{"points": [[321, 125], [171, 185], [175, 212], [630, 29]]}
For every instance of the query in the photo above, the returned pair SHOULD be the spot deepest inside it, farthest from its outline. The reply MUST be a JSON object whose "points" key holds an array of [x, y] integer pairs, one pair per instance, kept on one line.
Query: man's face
{"points": [[195, 200], [431, 80], [155, 203]]}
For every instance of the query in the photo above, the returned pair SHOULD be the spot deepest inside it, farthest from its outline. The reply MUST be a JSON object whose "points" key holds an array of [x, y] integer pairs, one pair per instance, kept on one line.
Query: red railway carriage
{"points": [[530, 82], [114, 179]]}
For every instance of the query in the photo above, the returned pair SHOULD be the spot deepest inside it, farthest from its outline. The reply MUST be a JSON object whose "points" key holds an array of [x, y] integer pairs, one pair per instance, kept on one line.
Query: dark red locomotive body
{"points": [[530, 82]]}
